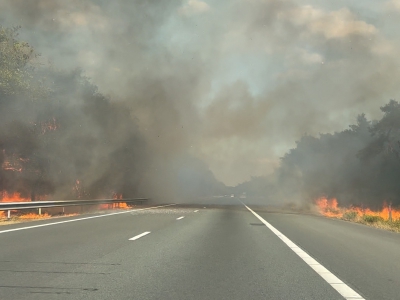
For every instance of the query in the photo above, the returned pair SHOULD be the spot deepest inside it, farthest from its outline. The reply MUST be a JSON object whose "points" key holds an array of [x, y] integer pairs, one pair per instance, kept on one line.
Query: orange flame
{"points": [[15, 197], [121, 205], [330, 208]]}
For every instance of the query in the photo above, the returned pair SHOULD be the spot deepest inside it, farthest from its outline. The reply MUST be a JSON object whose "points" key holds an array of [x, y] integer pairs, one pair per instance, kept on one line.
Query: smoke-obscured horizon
{"points": [[359, 166], [230, 83]]}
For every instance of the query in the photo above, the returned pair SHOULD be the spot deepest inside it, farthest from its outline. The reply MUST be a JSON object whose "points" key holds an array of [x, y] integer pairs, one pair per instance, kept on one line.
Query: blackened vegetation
{"points": [[358, 166]]}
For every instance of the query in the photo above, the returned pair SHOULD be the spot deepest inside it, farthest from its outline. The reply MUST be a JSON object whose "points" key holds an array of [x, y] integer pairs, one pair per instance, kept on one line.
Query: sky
{"points": [[235, 83]]}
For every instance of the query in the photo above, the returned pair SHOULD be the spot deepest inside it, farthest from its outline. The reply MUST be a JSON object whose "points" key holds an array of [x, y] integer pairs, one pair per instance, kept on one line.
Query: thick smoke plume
{"points": [[231, 83], [61, 138]]}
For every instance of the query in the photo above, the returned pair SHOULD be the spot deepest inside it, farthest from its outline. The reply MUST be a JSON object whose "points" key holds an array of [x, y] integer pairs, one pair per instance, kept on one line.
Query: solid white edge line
{"points": [[180, 218], [342, 288], [81, 219], [139, 236]]}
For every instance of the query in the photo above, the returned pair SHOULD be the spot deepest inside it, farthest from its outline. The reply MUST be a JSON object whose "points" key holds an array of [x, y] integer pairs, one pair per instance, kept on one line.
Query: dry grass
{"points": [[23, 218], [372, 220], [30, 217], [384, 224]]}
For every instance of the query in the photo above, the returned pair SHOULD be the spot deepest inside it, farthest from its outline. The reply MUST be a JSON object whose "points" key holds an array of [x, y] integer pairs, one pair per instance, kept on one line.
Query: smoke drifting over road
{"points": [[232, 83]]}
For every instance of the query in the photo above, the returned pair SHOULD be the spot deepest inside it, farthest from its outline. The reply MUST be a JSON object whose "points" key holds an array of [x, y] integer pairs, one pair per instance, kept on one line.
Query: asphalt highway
{"points": [[198, 252]]}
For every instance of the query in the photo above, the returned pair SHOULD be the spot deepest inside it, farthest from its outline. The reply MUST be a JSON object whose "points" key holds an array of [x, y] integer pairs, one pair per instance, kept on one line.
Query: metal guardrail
{"points": [[9, 206]]}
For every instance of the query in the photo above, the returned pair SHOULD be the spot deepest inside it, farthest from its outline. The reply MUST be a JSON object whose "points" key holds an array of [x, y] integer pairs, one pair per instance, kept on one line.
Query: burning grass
{"points": [[32, 216], [386, 218], [121, 205], [29, 215], [21, 216]]}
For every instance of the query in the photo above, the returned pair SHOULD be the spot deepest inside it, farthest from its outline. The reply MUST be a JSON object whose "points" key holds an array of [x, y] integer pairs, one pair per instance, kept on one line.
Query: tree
{"points": [[15, 59], [385, 133]]}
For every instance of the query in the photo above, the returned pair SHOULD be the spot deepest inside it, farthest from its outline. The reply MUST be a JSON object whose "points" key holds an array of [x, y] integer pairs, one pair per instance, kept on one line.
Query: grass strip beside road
{"points": [[371, 220]]}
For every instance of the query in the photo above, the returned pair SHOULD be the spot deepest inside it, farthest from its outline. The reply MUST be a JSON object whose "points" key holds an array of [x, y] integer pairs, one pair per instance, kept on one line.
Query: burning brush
{"points": [[330, 208]]}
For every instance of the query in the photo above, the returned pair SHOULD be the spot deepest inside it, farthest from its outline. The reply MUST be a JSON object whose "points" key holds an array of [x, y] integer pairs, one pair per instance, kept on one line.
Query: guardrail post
{"points": [[40, 211], [9, 214]]}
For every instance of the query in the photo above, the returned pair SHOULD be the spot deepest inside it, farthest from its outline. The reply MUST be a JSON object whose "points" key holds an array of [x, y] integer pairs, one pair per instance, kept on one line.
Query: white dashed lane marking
{"points": [[139, 236]]}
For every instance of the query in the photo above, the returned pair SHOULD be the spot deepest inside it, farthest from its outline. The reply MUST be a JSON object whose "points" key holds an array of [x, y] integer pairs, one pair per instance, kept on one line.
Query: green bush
{"points": [[372, 219], [350, 215]]}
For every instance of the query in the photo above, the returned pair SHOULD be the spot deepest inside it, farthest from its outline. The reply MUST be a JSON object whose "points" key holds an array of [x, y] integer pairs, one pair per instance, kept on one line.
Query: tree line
{"points": [[358, 166]]}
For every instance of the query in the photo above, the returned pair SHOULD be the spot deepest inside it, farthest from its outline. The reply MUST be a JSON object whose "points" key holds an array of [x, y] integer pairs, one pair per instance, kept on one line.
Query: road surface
{"points": [[197, 252]]}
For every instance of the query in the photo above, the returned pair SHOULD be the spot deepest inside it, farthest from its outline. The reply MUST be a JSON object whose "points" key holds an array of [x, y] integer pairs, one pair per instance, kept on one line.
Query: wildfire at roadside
{"points": [[121, 205], [330, 208], [117, 196], [14, 197], [21, 215]]}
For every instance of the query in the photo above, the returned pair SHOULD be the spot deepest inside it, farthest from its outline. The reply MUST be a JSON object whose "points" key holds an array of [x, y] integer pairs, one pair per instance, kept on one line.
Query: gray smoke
{"points": [[233, 83]]}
